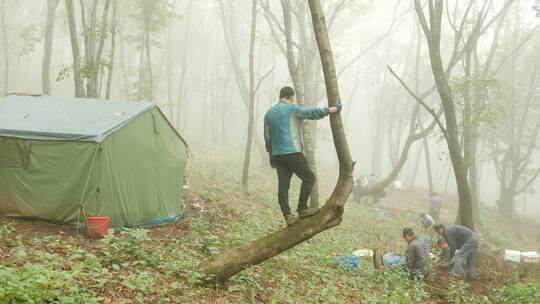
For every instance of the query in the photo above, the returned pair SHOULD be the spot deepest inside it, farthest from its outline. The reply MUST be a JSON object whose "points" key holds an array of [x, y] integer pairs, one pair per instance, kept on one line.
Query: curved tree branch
{"points": [[420, 101]]}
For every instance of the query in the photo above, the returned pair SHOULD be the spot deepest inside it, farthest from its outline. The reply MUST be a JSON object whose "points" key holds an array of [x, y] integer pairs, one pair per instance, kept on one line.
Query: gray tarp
{"points": [[59, 118]]}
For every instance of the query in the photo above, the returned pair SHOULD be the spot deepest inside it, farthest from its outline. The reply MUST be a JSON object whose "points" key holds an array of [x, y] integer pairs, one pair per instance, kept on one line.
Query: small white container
{"points": [[512, 255], [363, 253], [530, 257], [398, 185]]}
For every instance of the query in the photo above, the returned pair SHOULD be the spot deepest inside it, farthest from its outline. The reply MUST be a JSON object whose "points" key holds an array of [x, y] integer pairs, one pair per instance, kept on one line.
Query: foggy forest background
{"points": [[192, 58]]}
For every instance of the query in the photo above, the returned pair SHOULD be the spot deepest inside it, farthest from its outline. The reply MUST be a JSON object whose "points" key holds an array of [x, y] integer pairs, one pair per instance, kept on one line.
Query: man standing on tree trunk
{"points": [[283, 139]]}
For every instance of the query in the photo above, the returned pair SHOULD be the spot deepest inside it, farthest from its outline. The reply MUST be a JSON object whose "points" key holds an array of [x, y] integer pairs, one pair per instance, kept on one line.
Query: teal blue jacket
{"points": [[282, 127]]}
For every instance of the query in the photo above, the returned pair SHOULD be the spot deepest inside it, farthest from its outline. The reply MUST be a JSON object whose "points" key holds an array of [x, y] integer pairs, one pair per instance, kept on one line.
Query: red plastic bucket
{"points": [[97, 226]]}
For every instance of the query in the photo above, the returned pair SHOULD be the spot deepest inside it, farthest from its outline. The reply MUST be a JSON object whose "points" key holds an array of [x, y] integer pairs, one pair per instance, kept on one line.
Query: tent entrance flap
{"points": [[15, 153], [98, 147]]}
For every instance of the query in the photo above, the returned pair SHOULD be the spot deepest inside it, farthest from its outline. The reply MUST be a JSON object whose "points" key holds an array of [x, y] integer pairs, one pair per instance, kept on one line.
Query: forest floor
{"points": [[47, 263]]}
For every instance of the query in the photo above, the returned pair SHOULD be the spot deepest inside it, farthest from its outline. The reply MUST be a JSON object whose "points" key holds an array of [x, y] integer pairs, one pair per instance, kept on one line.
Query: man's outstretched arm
{"points": [[314, 113]]}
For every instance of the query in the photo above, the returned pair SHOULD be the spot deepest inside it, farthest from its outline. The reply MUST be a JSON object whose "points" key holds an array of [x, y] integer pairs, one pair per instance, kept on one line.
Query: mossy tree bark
{"points": [[221, 267]]}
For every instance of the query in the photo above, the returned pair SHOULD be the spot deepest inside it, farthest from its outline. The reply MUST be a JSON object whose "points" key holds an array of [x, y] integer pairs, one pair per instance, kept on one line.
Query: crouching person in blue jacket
{"points": [[283, 140]]}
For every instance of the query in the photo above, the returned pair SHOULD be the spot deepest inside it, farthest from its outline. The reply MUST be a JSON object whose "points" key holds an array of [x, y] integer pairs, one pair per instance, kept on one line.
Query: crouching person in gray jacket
{"points": [[464, 239], [417, 255]]}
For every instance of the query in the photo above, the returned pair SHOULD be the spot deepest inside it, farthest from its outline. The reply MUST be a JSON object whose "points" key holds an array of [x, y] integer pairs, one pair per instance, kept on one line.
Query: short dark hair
{"points": [[439, 226], [441, 240], [408, 232], [286, 92]]}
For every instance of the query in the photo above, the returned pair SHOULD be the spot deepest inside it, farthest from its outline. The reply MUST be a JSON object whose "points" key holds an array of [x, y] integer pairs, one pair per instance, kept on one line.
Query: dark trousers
{"points": [[286, 165]]}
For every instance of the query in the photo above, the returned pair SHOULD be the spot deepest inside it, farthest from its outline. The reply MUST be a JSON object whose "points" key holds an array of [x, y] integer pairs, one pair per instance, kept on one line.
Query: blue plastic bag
{"points": [[391, 259], [348, 261], [382, 215]]}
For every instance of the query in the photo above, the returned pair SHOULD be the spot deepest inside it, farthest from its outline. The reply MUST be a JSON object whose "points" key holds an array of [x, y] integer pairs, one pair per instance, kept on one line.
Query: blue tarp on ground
{"points": [[348, 261], [391, 259]]}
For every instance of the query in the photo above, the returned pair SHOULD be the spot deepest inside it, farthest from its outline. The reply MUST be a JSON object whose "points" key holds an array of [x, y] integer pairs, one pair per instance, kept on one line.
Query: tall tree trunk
{"points": [[298, 83], [447, 181], [433, 35], [221, 267], [425, 142], [251, 109], [148, 14], [47, 47], [239, 77], [113, 48], [427, 156], [224, 109], [183, 71], [506, 203], [94, 44], [123, 61], [140, 82], [5, 45], [415, 166], [89, 32], [77, 69]]}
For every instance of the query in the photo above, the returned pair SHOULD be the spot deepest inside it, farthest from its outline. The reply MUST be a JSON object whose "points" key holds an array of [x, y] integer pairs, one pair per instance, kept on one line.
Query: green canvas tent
{"points": [[62, 158]]}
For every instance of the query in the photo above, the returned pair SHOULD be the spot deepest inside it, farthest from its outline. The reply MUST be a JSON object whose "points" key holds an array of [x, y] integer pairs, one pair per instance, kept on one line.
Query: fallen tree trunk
{"points": [[221, 267]]}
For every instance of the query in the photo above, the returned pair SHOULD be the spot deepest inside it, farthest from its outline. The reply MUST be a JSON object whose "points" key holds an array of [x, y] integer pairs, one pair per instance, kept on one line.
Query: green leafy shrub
{"points": [[128, 247], [36, 283], [518, 293]]}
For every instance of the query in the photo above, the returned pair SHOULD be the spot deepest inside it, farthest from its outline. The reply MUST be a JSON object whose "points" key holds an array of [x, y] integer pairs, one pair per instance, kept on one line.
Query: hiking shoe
{"points": [[308, 212], [290, 219]]}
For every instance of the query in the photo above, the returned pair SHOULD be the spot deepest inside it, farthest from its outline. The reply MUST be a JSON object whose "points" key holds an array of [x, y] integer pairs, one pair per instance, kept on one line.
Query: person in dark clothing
{"points": [[417, 255], [283, 141], [464, 239], [444, 260]]}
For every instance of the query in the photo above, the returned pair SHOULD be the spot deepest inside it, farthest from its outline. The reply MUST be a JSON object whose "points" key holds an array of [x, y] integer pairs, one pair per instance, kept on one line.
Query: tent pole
{"points": [[98, 146]]}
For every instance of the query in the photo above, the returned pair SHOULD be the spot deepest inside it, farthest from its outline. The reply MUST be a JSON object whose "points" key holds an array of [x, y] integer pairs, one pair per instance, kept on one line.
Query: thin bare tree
{"points": [[5, 47], [47, 46]]}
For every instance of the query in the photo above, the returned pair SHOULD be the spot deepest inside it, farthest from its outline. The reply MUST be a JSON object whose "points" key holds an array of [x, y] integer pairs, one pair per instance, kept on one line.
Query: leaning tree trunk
{"points": [[47, 47], [251, 109], [221, 267]]}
